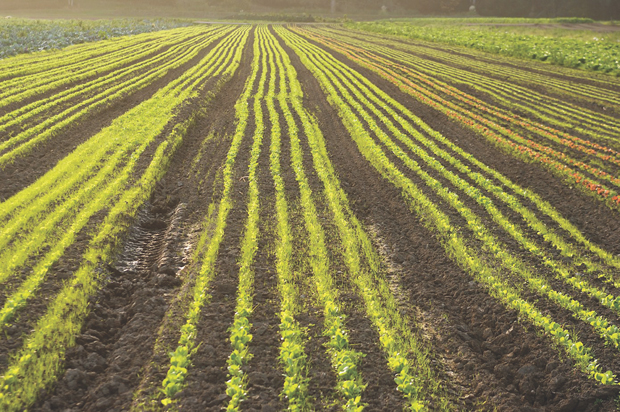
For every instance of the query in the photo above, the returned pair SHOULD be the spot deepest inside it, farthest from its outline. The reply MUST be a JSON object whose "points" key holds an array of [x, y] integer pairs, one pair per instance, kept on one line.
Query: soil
{"points": [[487, 356]]}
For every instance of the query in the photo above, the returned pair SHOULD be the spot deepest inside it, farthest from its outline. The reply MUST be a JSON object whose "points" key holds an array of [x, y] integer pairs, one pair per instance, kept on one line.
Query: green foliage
{"points": [[26, 36], [595, 54]]}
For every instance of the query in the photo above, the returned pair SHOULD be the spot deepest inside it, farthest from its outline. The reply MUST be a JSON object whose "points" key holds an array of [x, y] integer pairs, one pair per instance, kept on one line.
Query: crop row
{"points": [[552, 79], [597, 54], [27, 36], [514, 96], [366, 112], [598, 180], [108, 180], [106, 90], [25, 112], [21, 87]]}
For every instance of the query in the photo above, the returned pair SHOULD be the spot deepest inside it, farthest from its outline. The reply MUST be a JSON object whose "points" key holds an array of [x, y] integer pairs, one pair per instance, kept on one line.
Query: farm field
{"points": [[273, 217], [570, 42], [26, 36]]}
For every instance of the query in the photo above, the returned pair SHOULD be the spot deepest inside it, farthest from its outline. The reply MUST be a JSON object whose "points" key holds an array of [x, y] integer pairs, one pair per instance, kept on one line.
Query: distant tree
{"points": [[437, 6], [504, 8], [595, 9]]}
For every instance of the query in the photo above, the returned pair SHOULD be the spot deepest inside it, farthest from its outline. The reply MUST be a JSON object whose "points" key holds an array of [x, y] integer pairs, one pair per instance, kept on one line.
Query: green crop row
{"points": [[51, 63], [406, 357], [22, 88], [293, 357], [29, 35], [596, 55], [39, 361], [588, 87], [31, 110], [35, 227], [25, 141], [180, 358], [517, 98], [333, 78], [484, 180], [175, 56], [585, 176]]}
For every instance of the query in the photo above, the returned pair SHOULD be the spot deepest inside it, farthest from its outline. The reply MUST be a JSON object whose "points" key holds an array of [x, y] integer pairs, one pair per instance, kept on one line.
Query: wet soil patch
{"points": [[480, 344], [104, 366]]}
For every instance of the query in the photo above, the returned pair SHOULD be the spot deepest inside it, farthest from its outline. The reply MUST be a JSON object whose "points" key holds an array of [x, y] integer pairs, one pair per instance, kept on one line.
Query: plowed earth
{"points": [[484, 354]]}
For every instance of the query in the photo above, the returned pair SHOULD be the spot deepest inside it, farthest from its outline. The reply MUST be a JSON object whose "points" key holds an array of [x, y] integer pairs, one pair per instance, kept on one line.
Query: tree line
{"points": [[596, 9]]}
